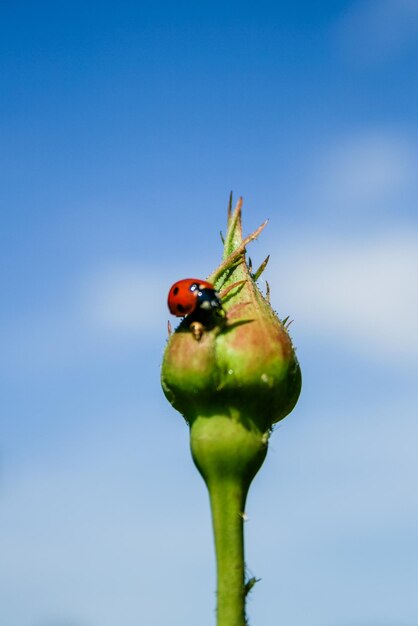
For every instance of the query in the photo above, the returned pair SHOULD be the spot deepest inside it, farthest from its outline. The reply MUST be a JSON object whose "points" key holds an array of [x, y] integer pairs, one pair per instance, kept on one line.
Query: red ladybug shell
{"points": [[189, 293]]}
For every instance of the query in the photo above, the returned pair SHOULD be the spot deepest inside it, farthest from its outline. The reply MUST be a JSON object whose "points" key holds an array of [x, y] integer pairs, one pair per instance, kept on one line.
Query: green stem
{"points": [[228, 450], [227, 502]]}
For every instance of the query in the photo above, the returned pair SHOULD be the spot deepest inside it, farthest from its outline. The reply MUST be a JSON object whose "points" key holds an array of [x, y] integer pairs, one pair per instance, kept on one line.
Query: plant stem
{"points": [[227, 500], [228, 450]]}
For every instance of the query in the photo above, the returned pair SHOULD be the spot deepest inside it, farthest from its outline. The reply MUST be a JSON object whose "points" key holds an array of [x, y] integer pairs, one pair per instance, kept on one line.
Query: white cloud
{"points": [[362, 295], [109, 309], [364, 172], [124, 298], [373, 30], [360, 290]]}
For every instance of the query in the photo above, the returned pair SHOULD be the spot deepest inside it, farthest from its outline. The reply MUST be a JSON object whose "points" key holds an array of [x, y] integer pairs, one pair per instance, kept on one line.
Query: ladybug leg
{"points": [[197, 329]]}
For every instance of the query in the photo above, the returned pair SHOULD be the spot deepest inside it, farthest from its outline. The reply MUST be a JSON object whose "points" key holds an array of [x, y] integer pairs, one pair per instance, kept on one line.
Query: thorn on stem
{"points": [[250, 584]]}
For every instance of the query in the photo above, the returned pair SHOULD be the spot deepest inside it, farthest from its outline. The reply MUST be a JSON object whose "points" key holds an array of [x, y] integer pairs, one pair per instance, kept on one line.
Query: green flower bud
{"points": [[244, 365], [232, 374]]}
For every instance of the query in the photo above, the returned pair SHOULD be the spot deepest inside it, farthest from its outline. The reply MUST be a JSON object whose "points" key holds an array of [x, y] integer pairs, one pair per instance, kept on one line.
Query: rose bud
{"points": [[230, 369]]}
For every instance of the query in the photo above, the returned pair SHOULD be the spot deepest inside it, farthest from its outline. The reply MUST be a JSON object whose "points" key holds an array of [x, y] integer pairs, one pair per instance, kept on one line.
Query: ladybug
{"points": [[192, 295]]}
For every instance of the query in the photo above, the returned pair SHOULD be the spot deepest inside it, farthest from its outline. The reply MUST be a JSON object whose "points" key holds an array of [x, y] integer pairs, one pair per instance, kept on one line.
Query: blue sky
{"points": [[123, 128]]}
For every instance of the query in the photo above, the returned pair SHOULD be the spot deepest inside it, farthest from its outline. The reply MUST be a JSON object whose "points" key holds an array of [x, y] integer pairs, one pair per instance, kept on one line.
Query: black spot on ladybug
{"points": [[180, 308], [175, 290]]}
